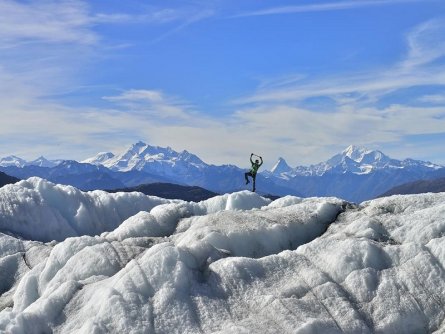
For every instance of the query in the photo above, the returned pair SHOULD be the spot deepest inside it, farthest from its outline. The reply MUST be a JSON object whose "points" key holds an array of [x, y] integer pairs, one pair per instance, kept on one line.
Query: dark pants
{"points": [[253, 175]]}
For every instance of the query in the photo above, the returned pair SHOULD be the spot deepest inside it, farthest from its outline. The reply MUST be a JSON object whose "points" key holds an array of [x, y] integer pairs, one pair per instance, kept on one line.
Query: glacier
{"points": [[93, 262]]}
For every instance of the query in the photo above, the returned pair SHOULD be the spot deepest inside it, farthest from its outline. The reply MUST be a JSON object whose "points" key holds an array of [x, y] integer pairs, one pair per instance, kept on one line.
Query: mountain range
{"points": [[355, 174]]}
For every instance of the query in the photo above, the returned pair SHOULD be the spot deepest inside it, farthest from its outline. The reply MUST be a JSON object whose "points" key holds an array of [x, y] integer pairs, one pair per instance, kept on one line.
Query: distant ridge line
{"points": [[171, 191]]}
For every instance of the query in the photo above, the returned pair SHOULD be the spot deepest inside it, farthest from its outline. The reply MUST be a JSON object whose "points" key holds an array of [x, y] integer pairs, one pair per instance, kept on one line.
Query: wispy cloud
{"points": [[45, 44], [49, 21], [151, 102], [365, 87], [426, 43], [191, 19], [322, 7], [69, 21], [424, 47], [434, 99], [151, 15]]}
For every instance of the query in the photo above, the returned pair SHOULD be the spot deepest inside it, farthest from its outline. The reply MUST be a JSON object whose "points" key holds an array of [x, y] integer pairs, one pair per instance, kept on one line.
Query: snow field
{"points": [[236, 263]]}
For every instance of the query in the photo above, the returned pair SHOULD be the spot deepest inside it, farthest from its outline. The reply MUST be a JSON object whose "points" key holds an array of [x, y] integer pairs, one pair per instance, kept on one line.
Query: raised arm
{"points": [[251, 161], [261, 162]]}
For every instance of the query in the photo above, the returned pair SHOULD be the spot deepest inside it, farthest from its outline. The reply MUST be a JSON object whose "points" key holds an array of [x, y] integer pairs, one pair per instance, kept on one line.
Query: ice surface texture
{"points": [[40, 210], [236, 263]]}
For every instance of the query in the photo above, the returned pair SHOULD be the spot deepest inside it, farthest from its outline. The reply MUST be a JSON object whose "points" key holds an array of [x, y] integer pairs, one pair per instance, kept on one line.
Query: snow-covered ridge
{"points": [[236, 263], [280, 167], [99, 158], [144, 157], [14, 161], [355, 160]]}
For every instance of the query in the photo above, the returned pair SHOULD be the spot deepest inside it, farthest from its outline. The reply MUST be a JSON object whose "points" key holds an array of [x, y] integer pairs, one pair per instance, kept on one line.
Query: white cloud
{"points": [[68, 21], [366, 88], [371, 85], [435, 99], [48, 21], [192, 18], [426, 43], [322, 7], [151, 15], [420, 67], [153, 102], [298, 134], [137, 95]]}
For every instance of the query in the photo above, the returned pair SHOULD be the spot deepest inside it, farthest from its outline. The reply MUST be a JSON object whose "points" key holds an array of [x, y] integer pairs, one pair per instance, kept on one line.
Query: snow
{"points": [[36, 209], [43, 162], [99, 158], [357, 160], [236, 263], [12, 160], [281, 166], [143, 157]]}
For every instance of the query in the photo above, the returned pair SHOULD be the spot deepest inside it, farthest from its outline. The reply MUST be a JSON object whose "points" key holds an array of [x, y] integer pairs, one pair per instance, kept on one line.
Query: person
{"points": [[253, 170]]}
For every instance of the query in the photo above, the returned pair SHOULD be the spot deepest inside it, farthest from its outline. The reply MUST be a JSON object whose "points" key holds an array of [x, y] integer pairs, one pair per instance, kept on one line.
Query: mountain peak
{"points": [[355, 152], [281, 166], [140, 143], [144, 157], [99, 158], [363, 155], [12, 160], [42, 162], [139, 147]]}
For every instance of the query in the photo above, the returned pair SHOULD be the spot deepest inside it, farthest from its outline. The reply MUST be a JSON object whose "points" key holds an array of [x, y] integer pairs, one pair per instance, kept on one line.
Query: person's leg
{"points": [[246, 177], [254, 179]]}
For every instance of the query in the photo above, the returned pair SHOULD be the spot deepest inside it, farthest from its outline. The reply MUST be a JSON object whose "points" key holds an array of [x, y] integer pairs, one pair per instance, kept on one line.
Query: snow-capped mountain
{"points": [[144, 157], [12, 160], [99, 158], [235, 263], [280, 167], [355, 174], [43, 162], [178, 167], [358, 160]]}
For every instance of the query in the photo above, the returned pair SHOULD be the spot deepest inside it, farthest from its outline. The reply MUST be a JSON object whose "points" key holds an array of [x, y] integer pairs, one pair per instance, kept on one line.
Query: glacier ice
{"points": [[236, 263], [40, 210]]}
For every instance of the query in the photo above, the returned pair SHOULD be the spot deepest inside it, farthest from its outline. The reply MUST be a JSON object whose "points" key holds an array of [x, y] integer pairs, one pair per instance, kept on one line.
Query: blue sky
{"points": [[222, 79]]}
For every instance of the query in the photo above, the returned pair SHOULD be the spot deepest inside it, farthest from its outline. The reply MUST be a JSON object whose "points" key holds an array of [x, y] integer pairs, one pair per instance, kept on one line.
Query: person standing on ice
{"points": [[253, 170]]}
